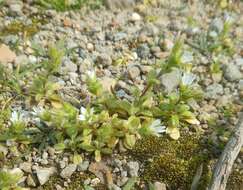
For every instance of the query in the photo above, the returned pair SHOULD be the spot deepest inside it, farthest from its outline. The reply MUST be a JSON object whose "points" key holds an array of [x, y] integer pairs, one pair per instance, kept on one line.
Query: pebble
{"points": [[159, 186], [232, 73], [30, 181], [133, 72], [240, 85], [83, 166], [43, 174], [133, 168], [94, 182], [68, 171], [171, 80], [214, 90], [26, 167], [135, 17]]}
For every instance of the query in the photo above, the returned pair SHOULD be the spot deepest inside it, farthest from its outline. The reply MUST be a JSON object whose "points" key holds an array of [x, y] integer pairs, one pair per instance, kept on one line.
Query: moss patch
{"points": [[235, 181], [173, 162], [18, 27]]}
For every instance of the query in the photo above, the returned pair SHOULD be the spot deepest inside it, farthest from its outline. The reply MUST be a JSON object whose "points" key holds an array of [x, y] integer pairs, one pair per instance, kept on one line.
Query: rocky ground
{"points": [[121, 43]]}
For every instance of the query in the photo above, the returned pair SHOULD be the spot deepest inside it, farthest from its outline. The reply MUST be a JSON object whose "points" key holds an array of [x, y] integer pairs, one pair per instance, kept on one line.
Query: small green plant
{"points": [[65, 5], [8, 181]]}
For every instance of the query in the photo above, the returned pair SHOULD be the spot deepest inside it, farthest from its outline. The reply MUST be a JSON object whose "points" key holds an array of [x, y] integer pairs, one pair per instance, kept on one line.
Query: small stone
{"points": [[94, 182], [159, 186], [67, 22], [232, 73], [69, 66], [68, 171], [135, 17], [214, 90], [143, 51], [167, 45], [90, 47], [58, 187], [26, 167], [171, 80], [43, 174], [83, 166], [133, 168], [30, 181], [45, 155], [51, 151], [107, 83], [16, 8], [133, 72], [240, 85], [120, 36], [6, 54], [103, 60]]}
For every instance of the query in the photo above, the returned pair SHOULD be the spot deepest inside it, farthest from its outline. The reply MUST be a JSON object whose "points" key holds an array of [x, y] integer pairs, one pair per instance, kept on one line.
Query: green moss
{"points": [[18, 27], [173, 162], [235, 181], [77, 182]]}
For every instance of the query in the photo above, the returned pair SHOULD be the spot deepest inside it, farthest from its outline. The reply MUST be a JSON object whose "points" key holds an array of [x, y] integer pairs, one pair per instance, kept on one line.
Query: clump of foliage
{"points": [[9, 181], [65, 5], [172, 162], [106, 120]]}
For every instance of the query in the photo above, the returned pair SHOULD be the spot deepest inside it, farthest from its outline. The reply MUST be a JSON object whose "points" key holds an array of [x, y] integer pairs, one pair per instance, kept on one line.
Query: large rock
{"points": [[133, 168], [119, 4]]}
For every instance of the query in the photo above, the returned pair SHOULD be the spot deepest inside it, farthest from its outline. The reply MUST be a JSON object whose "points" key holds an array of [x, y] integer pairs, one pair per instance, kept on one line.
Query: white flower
{"points": [[16, 117], [91, 74], [85, 114], [188, 78], [157, 128]]}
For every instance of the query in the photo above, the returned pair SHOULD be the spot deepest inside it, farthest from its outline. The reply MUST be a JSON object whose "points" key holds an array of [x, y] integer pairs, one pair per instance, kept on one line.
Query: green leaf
{"points": [[129, 141], [97, 156], [60, 146], [174, 121], [130, 184], [77, 159]]}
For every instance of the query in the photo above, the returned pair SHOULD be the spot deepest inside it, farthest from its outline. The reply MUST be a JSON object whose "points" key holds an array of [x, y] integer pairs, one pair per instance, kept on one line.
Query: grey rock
{"points": [[68, 66], [83, 166], [120, 36], [240, 85], [26, 167], [214, 90], [43, 174], [159, 186], [232, 73], [143, 51], [30, 181], [114, 187], [16, 8], [171, 80], [133, 72], [187, 57], [103, 60], [133, 168], [217, 25], [68, 171], [118, 4]]}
